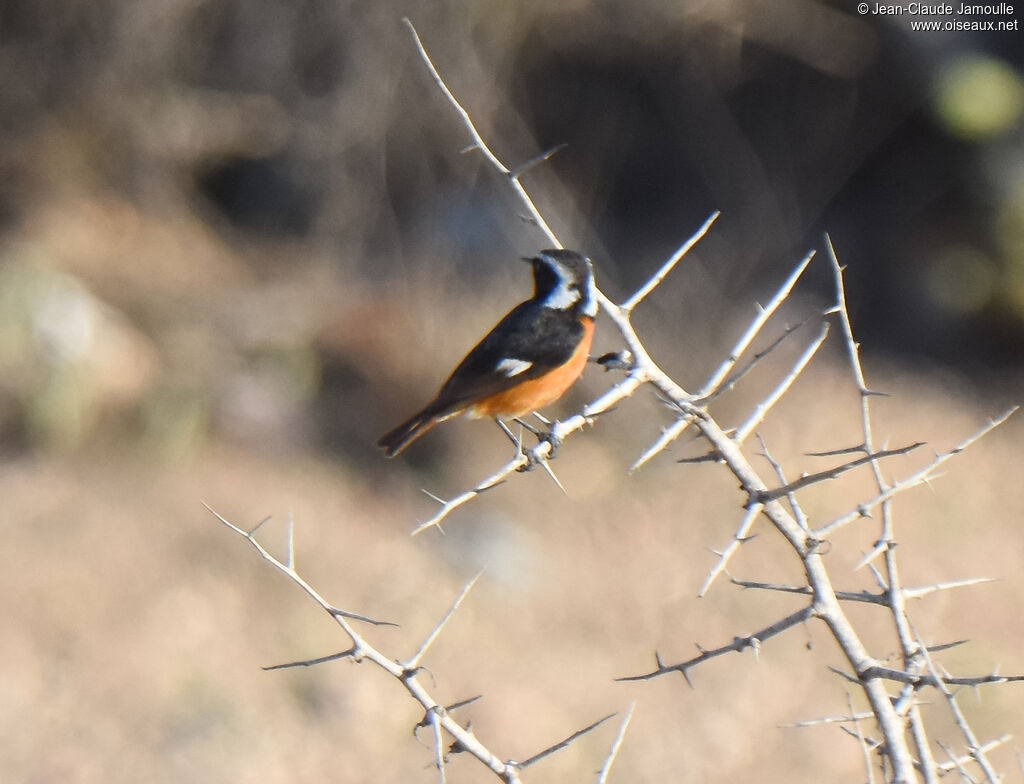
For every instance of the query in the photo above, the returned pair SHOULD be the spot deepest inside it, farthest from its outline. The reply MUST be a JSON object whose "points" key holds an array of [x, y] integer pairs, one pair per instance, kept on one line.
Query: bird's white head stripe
{"points": [[562, 296], [567, 292]]}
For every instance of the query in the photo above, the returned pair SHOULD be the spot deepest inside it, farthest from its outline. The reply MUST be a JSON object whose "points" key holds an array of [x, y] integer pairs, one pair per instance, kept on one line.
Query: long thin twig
{"points": [[667, 436], [564, 743], [824, 720], [413, 662], [791, 499], [911, 480], [752, 641], [613, 753], [478, 142], [742, 535], [869, 769], [761, 409], [730, 383], [718, 382], [942, 681], [882, 598], [655, 280], [833, 473], [957, 762], [748, 337], [435, 725]]}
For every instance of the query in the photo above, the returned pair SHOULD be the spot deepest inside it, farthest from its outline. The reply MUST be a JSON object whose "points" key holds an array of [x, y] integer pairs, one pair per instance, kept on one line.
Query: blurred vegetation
{"points": [[224, 216]]}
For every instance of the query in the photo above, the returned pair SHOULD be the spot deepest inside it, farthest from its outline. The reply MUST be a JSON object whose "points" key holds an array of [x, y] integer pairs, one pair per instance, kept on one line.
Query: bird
{"points": [[528, 361]]}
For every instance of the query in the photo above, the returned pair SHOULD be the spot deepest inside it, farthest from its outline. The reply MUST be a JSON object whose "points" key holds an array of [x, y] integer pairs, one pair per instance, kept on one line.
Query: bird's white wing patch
{"points": [[512, 367]]}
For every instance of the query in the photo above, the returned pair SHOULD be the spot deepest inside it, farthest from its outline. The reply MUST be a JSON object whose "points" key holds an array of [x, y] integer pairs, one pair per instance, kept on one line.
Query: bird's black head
{"points": [[564, 280]]}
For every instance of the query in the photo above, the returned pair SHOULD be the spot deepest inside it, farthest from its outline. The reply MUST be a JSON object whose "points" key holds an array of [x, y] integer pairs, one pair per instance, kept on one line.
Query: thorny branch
{"points": [[896, 716], [752, 641], [613, 752], [726, 448], [407, 672], [883, 598]]}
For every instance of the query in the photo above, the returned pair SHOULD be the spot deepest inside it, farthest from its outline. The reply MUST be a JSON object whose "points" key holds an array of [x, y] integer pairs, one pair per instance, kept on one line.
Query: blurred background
{"points": [[240, 240]]}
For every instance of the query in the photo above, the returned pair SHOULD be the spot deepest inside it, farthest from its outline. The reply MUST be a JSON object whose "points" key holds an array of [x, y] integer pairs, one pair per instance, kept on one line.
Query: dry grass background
{"points": [[137, 626], [157, 354]]}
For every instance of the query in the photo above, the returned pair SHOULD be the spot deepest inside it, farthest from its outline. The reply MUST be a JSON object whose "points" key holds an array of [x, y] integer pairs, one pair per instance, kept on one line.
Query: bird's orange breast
{"points": [[538, 392]]}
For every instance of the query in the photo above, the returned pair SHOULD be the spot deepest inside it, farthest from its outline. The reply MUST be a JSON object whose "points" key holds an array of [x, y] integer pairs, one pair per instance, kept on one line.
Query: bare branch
{"points": [[467, 121], [926, 760], [414, 662], [538, 453], [945, 646], [867, 597], [435, 725], [250, 536], [853, 348], [427, 719], [668, 266], [673, 431], [606, 767], [861, 741], [913, 480], [551, 473], [846, 676], [761, 409], [872, 743], [291, 543], [918, 680], [350, 653], [804, 590], [738, 538], [519, 171], [726, 448], [833, 473], [449, 506], [734, 379], [363, 650], [668, 435], [561, 744], [794, 504], [738, 644], [753, 330], [847, 719], [957, 763], [927, 590], [976, 750], [846, 450], [478, 142]]}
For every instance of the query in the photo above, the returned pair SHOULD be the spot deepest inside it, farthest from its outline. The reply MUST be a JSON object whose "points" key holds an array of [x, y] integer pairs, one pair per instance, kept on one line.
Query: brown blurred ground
{"points": [[221, 223], [137, 626]]}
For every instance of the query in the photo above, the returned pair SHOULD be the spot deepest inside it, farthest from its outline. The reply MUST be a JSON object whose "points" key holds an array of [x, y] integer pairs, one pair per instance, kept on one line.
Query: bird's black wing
{"points": [[530, 341]]}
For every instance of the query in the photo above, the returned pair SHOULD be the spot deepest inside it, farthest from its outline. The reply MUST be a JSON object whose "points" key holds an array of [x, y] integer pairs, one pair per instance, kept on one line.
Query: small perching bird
{"points": [[527, 361]]}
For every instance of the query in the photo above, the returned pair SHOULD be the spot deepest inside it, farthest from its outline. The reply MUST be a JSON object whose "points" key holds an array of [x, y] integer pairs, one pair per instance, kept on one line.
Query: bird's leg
{"points": [[511, 436], [518, 445], [528, 426]]}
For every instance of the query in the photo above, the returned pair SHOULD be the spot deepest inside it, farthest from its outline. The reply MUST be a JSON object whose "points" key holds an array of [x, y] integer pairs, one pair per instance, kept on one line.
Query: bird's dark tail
{"points": [[394, 441]]}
